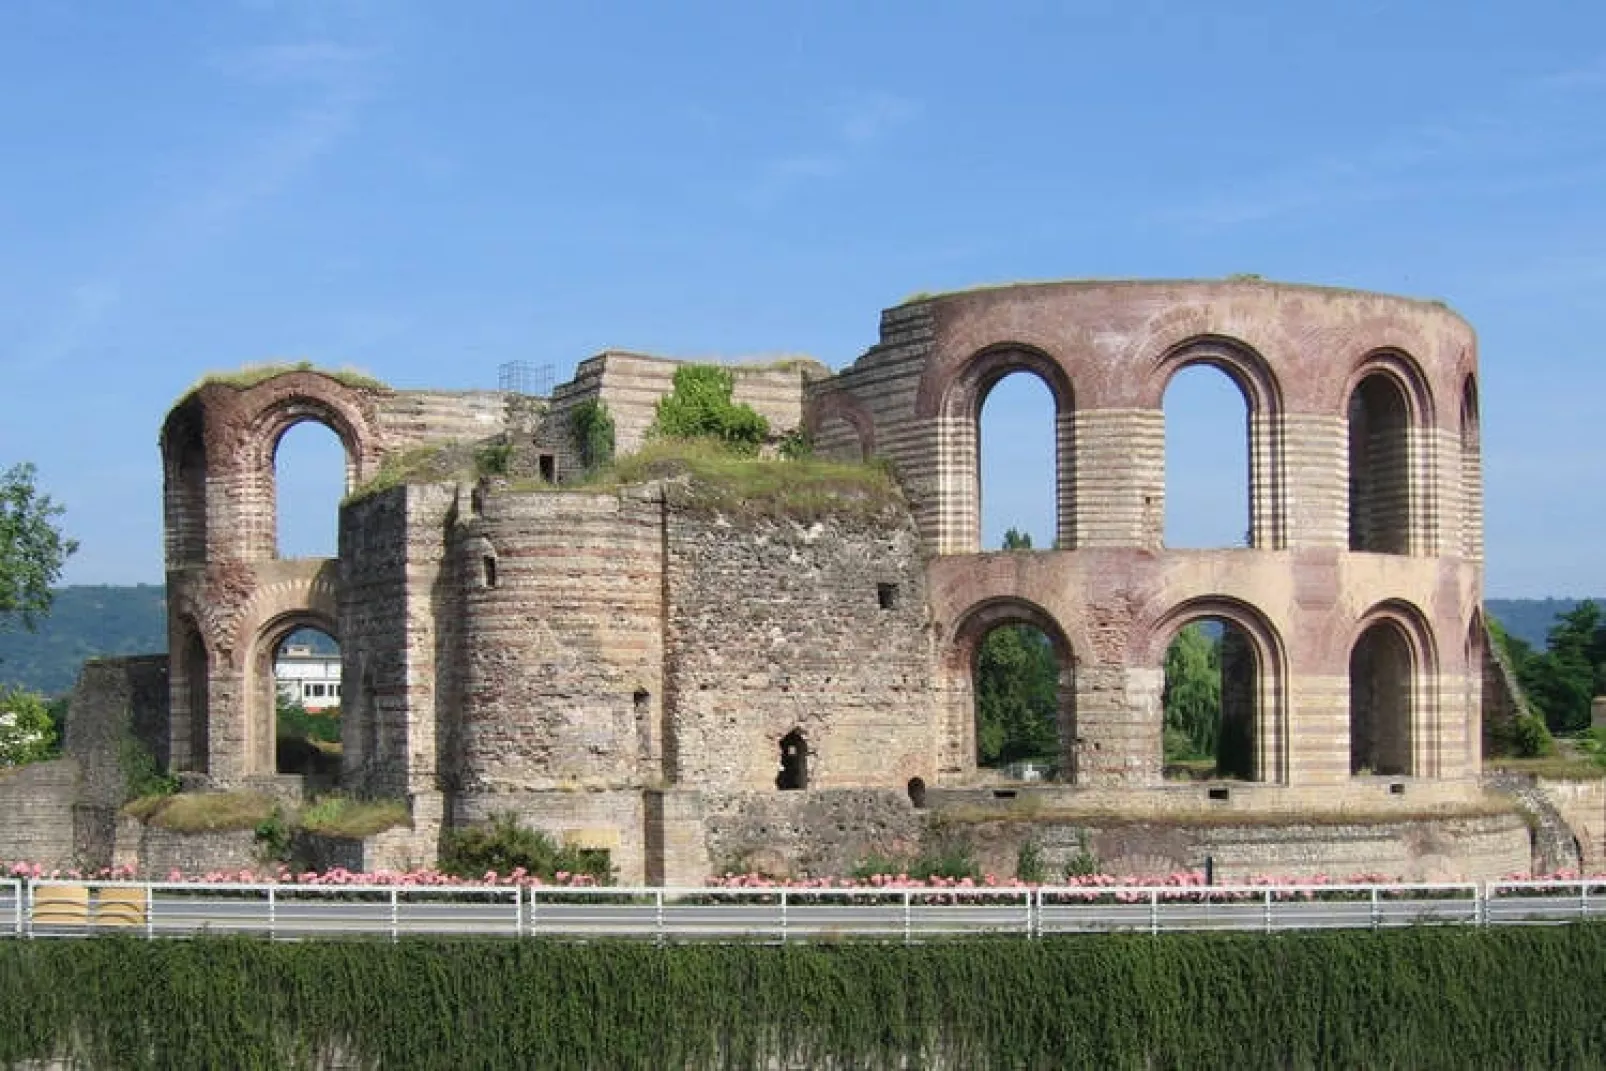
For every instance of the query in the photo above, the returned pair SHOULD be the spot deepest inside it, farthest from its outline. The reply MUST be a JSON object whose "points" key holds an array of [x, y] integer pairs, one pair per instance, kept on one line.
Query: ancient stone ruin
{"points": [[695, 684]]}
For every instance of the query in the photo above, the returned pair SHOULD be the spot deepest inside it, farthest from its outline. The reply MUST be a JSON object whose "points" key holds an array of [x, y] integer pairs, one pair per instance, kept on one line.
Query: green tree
{"points": [[1192, 696], [26, 731], [1017, 687], [593, 429], [700, 407], [1015, 539], [32, 548], [1561, 681]]}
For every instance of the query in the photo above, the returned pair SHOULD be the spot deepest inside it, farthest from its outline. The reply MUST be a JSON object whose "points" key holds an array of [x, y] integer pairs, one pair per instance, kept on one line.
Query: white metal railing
{"points": [[64, 908]]}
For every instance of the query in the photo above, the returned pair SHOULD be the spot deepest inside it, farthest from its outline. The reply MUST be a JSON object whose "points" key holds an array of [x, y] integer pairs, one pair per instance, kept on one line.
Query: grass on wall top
{"points": [[251, 374], [703, 475]]}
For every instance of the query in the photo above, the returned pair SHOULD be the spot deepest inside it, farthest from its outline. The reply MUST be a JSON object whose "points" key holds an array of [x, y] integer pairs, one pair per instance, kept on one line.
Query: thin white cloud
{"points": [[1471, 152], [860, 122], [325, 84]]}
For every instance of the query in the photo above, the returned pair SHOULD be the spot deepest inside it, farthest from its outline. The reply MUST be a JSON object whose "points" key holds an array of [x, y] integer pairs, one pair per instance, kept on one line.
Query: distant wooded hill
{"points": [[93, 621]]}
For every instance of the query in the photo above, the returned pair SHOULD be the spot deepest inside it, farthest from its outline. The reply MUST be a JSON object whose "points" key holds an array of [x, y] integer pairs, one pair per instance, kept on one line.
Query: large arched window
{"points": [[1379, 466], [1207, 471], [1029, 430], [1017, 481], [1015, 666], [1210, 703], [194, 666], [1381, 686], [307, 699], [311, 470], [1223, 697]]}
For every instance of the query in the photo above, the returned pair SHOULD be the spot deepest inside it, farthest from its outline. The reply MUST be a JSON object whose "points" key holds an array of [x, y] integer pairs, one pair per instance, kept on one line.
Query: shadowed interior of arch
{"points": [[1209, 702], [1023, 695], [1379, 467], [306, 683], [1380, 669], [1016, 471], [309, 482]]}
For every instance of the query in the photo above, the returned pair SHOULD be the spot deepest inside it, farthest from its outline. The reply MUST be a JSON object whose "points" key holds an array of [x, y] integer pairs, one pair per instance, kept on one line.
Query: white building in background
{"points": [[306, 677]]}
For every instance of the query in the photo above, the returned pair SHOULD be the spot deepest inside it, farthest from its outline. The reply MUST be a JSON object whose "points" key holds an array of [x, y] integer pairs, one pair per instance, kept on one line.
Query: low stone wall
{"points": [[1436, 849], [1582, 805], [36, 812], [589, 819], [162, 851], [822, 832]]}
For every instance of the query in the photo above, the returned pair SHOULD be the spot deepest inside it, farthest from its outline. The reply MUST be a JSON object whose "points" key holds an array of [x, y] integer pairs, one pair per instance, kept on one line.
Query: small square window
{"points": [[886, 596]]}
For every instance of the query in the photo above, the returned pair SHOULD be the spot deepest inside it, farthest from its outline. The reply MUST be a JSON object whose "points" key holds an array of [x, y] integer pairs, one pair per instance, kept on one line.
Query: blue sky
{"points": [[427, 190]]}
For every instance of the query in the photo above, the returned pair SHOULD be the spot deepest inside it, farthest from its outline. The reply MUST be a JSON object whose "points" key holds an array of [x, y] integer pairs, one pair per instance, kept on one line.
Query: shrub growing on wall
{"points": [[504, 844], [592, 427], [700, 407]]}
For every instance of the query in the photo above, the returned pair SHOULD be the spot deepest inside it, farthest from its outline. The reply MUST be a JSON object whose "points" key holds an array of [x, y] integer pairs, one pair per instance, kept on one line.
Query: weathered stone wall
{"points": [[115, 703], [822, 832], [163, 851], [1582, 805], [561, 642], [1436, 849], [778, 626], [36, 813], [400, 615]]}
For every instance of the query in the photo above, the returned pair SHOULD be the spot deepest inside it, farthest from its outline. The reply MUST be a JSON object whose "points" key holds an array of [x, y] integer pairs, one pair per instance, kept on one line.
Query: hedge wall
{"points": [[1449, 998]]}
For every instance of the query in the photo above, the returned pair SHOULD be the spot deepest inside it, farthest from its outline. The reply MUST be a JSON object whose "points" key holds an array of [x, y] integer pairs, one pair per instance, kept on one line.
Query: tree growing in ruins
{"points": [[32, 548], [701, 407], [1017, 688]]}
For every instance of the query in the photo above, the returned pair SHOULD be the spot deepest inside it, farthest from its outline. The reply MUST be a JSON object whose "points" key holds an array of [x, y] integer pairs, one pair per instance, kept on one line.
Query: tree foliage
{"points": [[593, 429], [1017, 690], [504, 844], [32, 548], [1192, 696], [1561, 680], [27, 731], [701, 407]]}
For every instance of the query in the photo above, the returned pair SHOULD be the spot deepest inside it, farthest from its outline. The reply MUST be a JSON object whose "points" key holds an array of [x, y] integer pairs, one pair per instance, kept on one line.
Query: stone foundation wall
{"points": [[1438, 849], [821, 833], [36, 813]]}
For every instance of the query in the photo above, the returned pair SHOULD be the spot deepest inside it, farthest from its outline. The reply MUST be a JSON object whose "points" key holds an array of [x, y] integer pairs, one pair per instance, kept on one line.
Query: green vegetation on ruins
{"points": [[704, 475], [251, 374]]}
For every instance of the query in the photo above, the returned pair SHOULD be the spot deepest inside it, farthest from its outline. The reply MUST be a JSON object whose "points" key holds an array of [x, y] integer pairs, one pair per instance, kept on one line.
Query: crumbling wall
{"points": [[778, 626]]}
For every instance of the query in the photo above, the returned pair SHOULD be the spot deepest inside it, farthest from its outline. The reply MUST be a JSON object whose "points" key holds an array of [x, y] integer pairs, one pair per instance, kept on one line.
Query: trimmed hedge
{"points": [[1450, 998]]}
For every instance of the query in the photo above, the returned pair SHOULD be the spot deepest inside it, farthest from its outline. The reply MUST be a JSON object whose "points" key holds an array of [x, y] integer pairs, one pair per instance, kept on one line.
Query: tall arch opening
{"points": [[194, 664], [1472, 692], [1381, 670], [1014, 668], [1379, 466], [1211, 703], [1029, 454], [297, 716], [1017, 482], [184, 493], [1207, 460], [311, 474]]}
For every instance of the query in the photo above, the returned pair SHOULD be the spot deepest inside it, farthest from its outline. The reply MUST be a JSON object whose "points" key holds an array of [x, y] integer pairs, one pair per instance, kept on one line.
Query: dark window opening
{"points": [[548, 467], [640, 699], [886, 596], [794, 762], [917, 792], [1379, 468], [476, 501], [1380, 669], [489, 564], [1219, 793]]}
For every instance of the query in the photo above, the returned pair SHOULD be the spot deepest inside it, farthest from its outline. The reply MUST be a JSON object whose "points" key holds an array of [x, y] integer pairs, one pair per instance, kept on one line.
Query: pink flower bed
{"points": [[283, 875]]}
